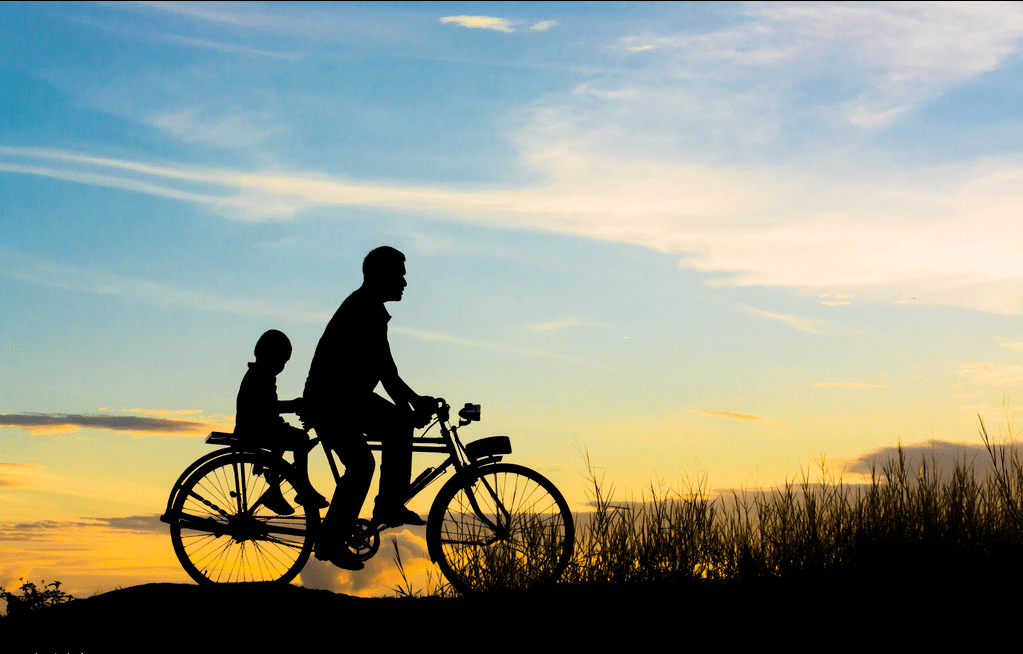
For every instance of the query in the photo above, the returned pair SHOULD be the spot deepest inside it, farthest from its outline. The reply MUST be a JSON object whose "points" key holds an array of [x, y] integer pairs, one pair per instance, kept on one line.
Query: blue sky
{"points": [[721, 239]]}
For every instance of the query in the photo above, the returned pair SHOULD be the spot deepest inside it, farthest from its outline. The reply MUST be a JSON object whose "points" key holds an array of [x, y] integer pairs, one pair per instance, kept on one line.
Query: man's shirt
{"points": [[353, 354]]}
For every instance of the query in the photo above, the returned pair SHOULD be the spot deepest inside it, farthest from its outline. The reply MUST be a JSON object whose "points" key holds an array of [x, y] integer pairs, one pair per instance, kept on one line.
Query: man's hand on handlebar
{"points": [[423, 407]]}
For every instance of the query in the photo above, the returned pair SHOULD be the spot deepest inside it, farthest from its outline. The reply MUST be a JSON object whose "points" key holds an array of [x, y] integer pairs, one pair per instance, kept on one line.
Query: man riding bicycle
{"points": [[353, 355]]}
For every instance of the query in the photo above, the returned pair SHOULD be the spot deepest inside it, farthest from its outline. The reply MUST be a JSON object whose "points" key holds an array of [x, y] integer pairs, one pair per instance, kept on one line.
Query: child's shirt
{"points": [[258, 409]]}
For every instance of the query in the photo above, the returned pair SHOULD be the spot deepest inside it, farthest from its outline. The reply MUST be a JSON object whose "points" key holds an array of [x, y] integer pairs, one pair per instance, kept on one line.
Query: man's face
{"points": [[392, 283]]}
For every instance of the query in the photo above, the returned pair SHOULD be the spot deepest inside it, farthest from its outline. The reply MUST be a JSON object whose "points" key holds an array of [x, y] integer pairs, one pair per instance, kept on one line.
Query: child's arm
{"points": [[289, 406]]}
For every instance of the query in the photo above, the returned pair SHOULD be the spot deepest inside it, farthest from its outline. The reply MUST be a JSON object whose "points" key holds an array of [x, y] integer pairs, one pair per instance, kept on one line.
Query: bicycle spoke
{"points": [[508, 527], [224, 533]]}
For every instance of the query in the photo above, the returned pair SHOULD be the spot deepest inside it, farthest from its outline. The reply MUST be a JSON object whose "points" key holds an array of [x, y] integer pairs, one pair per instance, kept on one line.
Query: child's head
{"points": [[273, 349]]}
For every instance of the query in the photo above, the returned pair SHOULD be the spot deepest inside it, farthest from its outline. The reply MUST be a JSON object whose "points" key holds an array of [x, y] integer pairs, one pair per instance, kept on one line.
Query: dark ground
{"points": [[270, 618]]}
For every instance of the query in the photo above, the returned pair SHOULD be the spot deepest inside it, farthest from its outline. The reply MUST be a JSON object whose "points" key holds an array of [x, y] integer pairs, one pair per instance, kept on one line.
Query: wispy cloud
{"points": [[1018, 346], [17, 265], [554, 325], [188, 41], [482, 23], [902, 54], [837, 300], [543, 25], [18, 475], [48, 423], [228, 48], [802, 324], [767, 227], [848, 385], [41, 530], [241, 128], [992, 374], [247, 18], [729, 415], [490, 345]]}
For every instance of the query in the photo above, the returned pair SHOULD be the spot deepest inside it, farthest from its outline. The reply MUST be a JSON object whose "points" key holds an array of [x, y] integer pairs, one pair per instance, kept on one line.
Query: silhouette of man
{"points": [[353, 355]]}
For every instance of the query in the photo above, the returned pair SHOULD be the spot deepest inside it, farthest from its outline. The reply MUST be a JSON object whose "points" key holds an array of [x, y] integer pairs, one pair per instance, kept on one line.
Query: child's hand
{"points": [[297, 406]]}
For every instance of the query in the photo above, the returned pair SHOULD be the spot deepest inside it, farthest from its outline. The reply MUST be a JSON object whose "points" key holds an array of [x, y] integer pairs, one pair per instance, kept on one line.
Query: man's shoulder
{"points": [[361, 306]]}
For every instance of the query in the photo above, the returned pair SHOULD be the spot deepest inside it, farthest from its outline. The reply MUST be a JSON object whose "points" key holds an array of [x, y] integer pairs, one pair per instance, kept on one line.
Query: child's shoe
{"points": [[310, 499], [274, 501]]}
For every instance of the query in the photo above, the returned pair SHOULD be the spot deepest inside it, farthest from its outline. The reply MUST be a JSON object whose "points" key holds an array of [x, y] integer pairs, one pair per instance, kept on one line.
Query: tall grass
{"points": [[903, 519]]}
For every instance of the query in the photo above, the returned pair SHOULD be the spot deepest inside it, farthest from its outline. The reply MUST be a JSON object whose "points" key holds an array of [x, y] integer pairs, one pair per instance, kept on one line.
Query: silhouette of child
{"points": [[259, 421]]}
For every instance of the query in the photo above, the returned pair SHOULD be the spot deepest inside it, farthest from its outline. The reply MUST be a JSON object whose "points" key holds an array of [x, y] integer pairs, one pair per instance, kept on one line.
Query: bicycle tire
{"points": [[533, 540], [221, 532]]}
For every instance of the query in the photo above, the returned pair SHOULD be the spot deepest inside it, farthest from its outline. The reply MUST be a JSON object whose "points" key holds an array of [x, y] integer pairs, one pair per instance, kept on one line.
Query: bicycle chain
{"points": [[211, 505]]}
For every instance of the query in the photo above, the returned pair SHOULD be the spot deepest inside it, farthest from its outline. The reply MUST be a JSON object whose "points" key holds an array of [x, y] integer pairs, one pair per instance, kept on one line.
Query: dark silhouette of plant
{"points": [[32, 598]]}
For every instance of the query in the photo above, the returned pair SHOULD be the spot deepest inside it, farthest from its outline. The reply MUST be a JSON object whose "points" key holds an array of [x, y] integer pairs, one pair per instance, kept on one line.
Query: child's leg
{"points": [[298, 441], [273, 499]]}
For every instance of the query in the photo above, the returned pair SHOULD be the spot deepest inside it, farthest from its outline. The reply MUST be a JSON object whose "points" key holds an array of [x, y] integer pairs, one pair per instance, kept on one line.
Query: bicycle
{"points": [[492, 525]]}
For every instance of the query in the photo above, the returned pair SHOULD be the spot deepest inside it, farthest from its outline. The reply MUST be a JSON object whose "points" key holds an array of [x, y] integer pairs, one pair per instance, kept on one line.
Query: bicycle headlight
{"points": [[470, 412]]}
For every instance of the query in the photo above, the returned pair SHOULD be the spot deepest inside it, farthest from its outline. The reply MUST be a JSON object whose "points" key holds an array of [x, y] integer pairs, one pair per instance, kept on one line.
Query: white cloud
{"points": [[802, 324], [234, 129], [247, 18], [554, 325], [839, 300], [482, 22], [946, 235], [991, 374], [543, 25], [898, 54]]}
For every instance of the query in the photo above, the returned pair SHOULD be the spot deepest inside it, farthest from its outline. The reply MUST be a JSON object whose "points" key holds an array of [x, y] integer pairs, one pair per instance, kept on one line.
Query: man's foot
{"points": [[312, 500], [274, 501], [341, 556], [397, 517]]}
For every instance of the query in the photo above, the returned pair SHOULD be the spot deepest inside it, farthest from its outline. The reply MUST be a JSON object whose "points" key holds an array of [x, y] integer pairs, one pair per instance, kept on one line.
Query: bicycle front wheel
{"points": [[223, 532], [500, 526]]}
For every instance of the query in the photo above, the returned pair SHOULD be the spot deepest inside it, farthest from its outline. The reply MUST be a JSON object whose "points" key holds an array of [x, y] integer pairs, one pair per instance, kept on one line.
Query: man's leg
{"points": [[353, 486], [392, 426]]}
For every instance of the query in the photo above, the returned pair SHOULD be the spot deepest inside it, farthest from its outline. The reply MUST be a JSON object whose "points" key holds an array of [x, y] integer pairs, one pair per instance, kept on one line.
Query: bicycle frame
{"points": [[461, 457], [474, 509], [480, 452]]}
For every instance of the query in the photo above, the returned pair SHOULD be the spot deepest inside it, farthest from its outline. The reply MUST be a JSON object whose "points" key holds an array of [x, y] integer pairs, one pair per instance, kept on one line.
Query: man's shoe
{"points": [[398, 517], [274, 501], [342, 557]]}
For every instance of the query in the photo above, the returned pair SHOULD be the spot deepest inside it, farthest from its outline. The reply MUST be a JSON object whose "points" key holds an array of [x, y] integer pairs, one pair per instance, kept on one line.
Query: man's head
{"points": [[273, 349], [383, 273]]}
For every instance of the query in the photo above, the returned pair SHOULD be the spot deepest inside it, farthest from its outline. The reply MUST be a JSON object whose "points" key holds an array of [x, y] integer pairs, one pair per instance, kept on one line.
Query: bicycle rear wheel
{"points": [[223, 533], [500, 526]]}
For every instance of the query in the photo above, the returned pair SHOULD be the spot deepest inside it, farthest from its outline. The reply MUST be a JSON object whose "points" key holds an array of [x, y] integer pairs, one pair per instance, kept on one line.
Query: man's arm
{"points": [[402, 393]]}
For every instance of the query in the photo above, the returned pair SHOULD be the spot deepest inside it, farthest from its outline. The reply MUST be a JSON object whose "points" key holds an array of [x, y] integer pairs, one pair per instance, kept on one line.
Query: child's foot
{"points": [[274, 501], [312, 500]]}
